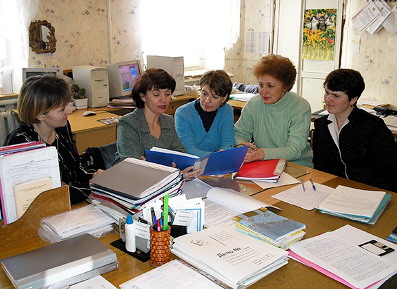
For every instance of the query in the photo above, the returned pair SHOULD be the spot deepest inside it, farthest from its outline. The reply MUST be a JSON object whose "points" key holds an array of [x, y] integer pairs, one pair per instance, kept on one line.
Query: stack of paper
{"points": [[270, 227], [351, 256], [359, 205], [132, 183], [266, 170], [217, 163], [234, 258], [26, 170], [87, 219]]}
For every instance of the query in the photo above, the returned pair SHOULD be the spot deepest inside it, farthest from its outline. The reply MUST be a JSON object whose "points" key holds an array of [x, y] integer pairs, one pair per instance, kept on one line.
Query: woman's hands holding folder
{"points": [[253, 154], [190, 173]]}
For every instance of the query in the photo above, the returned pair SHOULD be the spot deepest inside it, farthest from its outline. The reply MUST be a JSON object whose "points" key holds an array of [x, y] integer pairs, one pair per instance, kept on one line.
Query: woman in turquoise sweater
{"points": [[276, 122], [206, 125]]}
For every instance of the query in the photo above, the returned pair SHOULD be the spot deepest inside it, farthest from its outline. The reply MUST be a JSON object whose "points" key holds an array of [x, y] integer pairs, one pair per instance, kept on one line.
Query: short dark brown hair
{"points": [[348, 81], [40, 94], [277, 66], [153, 78], [218, 81]]}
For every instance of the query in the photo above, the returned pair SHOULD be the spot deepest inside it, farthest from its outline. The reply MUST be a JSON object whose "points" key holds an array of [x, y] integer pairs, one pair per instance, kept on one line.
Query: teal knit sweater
{"points": [[280, 129]]}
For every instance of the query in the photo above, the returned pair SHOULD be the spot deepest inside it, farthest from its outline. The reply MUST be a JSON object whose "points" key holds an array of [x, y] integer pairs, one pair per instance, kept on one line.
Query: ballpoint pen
{"points": [[241, 145], [303, 185], [313, 186]]}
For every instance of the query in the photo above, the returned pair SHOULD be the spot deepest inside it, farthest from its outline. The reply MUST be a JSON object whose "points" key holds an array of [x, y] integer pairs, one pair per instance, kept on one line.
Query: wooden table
{"points": [[293, 275]]}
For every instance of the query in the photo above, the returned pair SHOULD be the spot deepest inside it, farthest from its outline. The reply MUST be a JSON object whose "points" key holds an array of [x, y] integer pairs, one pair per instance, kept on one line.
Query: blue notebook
{"points": [[218, 163]]}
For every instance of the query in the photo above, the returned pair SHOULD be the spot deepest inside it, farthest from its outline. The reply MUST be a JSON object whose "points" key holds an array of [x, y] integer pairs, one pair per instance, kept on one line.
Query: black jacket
{"points": [[368, 152]]}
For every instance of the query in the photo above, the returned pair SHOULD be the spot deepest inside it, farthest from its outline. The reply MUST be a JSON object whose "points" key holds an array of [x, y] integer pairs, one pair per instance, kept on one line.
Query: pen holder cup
{"points": [[160, 251]]}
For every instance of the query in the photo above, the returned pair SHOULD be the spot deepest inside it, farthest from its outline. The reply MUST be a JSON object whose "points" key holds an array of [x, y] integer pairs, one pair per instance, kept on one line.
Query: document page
{"points": [[173, 275], [217, 214], [230, 253], [345, 200], [306, 198], [350, 262], [97, 282]]}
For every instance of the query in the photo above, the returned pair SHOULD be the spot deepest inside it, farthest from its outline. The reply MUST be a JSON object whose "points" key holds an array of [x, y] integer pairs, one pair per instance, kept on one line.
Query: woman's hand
{"points": [[190, 173], [253, 153]]}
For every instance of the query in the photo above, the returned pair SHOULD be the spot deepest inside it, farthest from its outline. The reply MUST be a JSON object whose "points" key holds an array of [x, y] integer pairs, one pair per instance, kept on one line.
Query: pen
{"points": [[303, 185], [313, 186], [241, 145], [158, 225]]}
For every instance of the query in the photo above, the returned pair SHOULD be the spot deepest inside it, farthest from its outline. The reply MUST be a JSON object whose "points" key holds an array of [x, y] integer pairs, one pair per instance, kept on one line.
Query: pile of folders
{"points": [[270, 227], [132, 183]]}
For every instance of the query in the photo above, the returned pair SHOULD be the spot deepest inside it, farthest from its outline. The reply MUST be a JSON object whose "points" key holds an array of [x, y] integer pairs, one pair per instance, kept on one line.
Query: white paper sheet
{"points": [[285, 179], [97, 282]]}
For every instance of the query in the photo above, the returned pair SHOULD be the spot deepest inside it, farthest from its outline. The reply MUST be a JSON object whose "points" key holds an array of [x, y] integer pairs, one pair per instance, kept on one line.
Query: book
{"points": [[349, 255], [61, 264], [234, 258], [355, 204], [270, 227], [134, 179], [217, 163], [265, 170], [26, 167]]}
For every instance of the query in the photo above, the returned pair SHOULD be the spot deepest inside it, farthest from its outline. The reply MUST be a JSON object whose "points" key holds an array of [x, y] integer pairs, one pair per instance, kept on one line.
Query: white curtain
{"points": [[15, 17], [198, 30]]}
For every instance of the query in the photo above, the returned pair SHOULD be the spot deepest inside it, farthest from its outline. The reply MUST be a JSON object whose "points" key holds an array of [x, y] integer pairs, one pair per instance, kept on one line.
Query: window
{"points": [[198, 30]]}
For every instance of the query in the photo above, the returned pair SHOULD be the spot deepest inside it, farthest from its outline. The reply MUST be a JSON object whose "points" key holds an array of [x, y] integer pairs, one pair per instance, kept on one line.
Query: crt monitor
{"points": [[122, 78], [31, 71]]}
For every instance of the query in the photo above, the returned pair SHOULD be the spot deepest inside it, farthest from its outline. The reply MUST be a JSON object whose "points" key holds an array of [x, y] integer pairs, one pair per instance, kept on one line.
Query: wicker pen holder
{"points": [[159, 247]]}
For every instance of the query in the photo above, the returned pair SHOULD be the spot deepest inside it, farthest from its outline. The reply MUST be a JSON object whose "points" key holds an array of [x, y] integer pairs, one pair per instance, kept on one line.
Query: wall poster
{"points": [[319, 27]]}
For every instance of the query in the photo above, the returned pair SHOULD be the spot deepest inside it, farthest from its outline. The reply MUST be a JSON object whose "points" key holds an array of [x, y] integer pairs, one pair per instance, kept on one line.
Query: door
{"points": [[289, 40]]}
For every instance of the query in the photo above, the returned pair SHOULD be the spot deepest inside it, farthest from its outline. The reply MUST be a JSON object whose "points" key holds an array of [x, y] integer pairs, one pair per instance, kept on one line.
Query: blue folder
{"points": [[218, 163]]}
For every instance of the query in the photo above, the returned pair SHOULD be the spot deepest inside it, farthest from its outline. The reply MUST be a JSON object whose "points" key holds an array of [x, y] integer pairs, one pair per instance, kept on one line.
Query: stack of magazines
{"points": [[132, 183], [270, 227]]}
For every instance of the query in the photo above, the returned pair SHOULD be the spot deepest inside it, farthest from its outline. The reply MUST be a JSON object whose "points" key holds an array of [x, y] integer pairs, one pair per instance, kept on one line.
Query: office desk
{"points": [[293, 275], [89, 132]]}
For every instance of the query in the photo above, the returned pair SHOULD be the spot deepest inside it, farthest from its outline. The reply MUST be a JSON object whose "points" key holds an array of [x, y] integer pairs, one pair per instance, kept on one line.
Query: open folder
{"points": [[221, 162]]}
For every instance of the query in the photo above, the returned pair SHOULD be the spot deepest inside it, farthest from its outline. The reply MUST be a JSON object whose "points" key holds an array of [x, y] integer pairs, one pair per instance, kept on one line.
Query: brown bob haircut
{"points": [[278, 67], [39, 95], [152, 78], [218, 81]]}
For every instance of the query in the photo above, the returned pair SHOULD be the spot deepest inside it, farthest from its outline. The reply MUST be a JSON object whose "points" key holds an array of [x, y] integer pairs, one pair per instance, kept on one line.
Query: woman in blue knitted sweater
{"points": [[206, 125]]}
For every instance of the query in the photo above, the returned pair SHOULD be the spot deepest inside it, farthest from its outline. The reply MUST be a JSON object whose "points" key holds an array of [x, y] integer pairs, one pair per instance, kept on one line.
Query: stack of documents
{"points": [[234, 258], [217, 163], [132, 183], [351, 256], [266, 170], [26, 170], [359, 205], [355, 204], [270, 227], [87, 219]]}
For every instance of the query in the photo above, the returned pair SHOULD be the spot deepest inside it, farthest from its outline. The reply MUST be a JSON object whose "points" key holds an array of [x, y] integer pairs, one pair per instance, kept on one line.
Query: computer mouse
{"points": [[89, 112]]}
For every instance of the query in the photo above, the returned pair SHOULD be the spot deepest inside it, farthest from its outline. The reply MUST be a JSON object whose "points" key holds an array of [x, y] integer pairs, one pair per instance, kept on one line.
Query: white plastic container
{"points": [[130, 244]]}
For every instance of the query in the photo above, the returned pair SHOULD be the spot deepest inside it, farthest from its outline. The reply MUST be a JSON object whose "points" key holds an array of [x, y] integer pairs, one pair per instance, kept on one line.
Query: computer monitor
{"points": [[31, 71], [122, 78]]}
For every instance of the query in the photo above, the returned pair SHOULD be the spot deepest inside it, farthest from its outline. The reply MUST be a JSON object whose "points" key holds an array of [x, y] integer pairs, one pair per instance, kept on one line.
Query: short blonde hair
{"points": [[40, 94]]}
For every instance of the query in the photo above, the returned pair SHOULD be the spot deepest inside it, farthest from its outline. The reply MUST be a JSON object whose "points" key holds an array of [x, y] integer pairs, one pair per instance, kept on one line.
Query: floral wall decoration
{"points": [[319, 26]]}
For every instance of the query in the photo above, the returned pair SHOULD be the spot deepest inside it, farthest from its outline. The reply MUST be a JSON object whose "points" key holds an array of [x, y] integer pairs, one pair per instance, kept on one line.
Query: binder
{"points": [[217, 163], [265, 170]]}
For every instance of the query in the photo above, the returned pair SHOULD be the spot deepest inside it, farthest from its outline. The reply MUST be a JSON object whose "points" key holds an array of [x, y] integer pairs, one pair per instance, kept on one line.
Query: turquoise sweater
{"points": [[192, 134], [280, 129]]}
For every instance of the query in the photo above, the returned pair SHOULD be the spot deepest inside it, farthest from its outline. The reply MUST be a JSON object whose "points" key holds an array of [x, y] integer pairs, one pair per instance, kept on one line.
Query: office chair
{"points": [[101, 157]]}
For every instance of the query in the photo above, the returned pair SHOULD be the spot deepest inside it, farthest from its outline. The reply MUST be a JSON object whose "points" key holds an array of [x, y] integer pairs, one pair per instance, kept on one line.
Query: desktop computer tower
{"points": [[173, 65], [95, 82]]}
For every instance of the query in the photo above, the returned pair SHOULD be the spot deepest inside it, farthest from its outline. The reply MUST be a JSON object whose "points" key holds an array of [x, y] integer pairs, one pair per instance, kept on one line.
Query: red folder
{"points": [[267, 170]]}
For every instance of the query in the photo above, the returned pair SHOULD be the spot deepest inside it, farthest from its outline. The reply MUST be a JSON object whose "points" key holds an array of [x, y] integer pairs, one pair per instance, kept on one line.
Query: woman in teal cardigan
{"points": [[206, 125], [276, 122]]}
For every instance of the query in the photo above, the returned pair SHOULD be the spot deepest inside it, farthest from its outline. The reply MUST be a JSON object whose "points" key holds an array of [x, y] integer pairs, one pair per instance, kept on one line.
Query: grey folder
{"points": [[62, 264], [131, 180]]}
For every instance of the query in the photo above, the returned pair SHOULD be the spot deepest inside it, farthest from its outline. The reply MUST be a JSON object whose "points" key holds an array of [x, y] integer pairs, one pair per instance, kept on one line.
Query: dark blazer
{"points": [[368, 152]]}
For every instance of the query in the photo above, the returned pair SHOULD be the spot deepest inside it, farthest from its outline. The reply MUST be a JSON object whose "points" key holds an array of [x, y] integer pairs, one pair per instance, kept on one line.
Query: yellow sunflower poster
{"points": [[319, 26]]}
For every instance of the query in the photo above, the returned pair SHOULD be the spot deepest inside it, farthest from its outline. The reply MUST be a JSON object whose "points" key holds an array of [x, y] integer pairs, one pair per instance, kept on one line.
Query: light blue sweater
{"points": [[193, 136], [279, 129]]}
